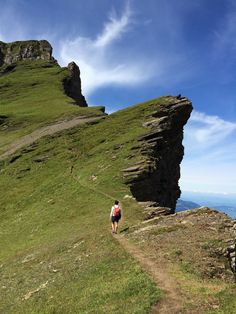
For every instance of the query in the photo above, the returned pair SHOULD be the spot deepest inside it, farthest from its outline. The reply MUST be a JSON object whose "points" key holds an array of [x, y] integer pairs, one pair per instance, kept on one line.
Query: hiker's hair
{"points": [[116, 202]]}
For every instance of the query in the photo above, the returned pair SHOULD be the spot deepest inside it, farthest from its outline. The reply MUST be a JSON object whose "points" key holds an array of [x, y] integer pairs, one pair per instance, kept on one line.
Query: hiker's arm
{"points": [[111, 212]]}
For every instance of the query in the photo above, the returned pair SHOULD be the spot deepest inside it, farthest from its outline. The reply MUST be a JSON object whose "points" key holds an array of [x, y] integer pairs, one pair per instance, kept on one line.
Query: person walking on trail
{"points": [[115, 216]]}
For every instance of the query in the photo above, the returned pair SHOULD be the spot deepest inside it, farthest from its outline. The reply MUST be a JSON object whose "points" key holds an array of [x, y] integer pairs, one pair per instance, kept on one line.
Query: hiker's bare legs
{"points": [[116, 226], [113, 227]]}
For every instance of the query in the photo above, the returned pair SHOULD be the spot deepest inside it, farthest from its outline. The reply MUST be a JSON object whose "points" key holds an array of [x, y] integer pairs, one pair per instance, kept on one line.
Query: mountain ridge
{"points": [[57, 252], [35, 50], [14, 52]]}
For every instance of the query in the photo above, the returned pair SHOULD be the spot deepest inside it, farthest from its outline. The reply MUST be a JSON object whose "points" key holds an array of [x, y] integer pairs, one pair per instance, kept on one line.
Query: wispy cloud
{"points": [[114, 28], [117, 55], [206, 130], [224, 36], [109, 60], [101, 61]]}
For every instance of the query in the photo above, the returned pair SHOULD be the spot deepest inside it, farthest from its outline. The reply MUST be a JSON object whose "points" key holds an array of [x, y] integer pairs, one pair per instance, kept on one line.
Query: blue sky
{"points": [[132, 51]]}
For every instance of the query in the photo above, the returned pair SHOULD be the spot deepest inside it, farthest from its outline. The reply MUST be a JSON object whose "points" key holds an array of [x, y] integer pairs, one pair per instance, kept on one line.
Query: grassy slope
{"points": [[32, 96], [107, 155], [55, 227]]}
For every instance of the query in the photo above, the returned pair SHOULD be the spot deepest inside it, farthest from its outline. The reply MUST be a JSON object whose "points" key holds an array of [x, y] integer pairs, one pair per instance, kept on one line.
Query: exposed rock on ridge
{"points": [[155, 177], [72, 85], [25, 50], [200, 237]]}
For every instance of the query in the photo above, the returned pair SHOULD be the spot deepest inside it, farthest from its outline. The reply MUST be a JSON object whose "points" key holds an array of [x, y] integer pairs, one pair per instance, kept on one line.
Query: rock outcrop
{"points": [[72, 85], [155, 178], [231, 250], [201, 237], [25, 50]]}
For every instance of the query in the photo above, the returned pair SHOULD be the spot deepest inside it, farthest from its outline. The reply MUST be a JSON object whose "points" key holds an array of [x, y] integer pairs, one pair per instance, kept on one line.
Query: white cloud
{"points": [[208, 130], [114, 28], [109, 59], [209, 161]]}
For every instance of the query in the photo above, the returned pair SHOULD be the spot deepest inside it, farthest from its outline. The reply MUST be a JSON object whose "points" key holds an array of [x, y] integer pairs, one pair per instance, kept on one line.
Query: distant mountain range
{"points": [[184, 205], [223, 202]]}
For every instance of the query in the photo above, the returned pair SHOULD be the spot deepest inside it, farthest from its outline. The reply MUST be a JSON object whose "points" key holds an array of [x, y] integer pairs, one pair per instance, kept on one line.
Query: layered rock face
{"points": [[155, 178], [25, 50], [231, 250]]}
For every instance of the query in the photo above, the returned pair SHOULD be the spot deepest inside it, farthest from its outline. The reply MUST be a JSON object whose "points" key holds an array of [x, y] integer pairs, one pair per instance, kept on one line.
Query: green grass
{"points": [[55, 227], [211, 244], [32, 96], [163, 230], [227, 301]]}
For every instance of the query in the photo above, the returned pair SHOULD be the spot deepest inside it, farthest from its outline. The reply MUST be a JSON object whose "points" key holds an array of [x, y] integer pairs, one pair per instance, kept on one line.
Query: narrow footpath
{"points": [[171, 301], [44, 131]]}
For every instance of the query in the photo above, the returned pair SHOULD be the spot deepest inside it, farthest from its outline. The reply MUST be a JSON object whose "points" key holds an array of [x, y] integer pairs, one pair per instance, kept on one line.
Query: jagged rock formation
{"points": [[25, 50], [231, 251], [155, 177], [32, 50], [72, 85], [231, 254]]}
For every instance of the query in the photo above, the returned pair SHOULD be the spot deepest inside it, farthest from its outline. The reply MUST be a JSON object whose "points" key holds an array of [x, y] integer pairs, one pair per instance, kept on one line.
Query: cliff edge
{"points": [[25, 50], [155, 177]]}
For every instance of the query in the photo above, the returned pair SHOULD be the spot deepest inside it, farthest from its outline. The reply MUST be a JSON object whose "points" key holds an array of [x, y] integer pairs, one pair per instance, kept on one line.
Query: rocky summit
{"points": [[25, 50]]}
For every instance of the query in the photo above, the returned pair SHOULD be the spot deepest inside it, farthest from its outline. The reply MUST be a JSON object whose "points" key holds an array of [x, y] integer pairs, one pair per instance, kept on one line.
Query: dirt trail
{"points": [[47, 130], [171, 302]]}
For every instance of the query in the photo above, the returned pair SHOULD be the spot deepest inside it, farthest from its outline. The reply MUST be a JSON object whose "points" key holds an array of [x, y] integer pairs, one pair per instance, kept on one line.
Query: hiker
{"points": [[115, 216]]}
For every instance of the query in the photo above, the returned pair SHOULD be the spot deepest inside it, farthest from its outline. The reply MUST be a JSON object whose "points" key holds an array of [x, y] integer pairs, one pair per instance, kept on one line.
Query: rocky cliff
{"points": [[33, 50], [72, 85], [25, 50], [154, 179]]}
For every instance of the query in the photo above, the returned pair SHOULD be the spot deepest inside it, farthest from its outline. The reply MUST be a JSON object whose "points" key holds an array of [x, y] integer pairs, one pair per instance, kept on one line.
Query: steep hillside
{"points": [[62, 165], [35, 90], [55, 223], [58, 255]]}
